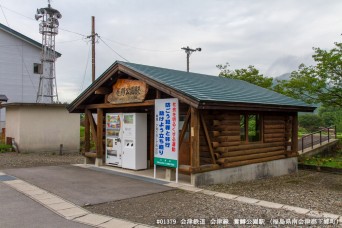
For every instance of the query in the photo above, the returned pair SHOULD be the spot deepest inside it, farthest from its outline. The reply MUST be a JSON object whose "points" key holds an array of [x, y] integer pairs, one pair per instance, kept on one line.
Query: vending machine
{"points": [[113, 139], [126, 140]]}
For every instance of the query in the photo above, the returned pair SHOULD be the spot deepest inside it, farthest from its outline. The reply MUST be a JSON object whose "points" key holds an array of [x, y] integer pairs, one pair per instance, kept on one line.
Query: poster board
{"points": [[166, 132]]}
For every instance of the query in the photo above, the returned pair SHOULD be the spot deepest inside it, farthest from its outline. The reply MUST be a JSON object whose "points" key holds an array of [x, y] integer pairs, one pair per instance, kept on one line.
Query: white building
{"points": [[20, 67]]}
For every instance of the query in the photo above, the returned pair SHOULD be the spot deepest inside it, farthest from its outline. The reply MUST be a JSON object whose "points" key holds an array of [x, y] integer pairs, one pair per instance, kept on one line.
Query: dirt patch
{"points": [[307, 189], [24, 160], [181, 205]]}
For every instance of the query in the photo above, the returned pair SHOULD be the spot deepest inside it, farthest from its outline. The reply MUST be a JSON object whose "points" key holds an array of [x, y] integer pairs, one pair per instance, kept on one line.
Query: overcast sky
{"points": [[273, 35]]}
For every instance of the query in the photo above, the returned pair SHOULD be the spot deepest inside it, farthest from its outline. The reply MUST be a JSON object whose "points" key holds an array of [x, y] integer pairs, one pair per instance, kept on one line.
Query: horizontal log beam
{"points": [[225, 116], [254, 146], [274, 135], [228, 138], [225, 133], [269, 140], [253, 151], [270, 131], [225, 144], [103, 91], [275, 126], [226, 122], [253, 161], [249, 157], [225, 128], [109, 105], [90, 154], [204, 168]]}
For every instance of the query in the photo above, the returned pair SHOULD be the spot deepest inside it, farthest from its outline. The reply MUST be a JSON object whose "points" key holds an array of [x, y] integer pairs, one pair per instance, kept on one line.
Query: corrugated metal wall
{"points": [[17, 80]]}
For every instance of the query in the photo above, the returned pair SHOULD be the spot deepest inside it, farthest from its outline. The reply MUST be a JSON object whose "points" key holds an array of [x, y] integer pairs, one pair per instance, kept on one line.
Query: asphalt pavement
{"points": [[17, 210], [85, 186]]}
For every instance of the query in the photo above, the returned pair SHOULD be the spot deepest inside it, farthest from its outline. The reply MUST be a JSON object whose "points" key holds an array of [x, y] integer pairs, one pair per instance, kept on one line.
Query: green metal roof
{"points": [[23, 37], [207, 88]]}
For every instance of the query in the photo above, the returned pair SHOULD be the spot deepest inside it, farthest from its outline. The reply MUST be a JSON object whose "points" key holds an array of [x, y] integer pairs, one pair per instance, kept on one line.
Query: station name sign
{"points": [[128, 91]]}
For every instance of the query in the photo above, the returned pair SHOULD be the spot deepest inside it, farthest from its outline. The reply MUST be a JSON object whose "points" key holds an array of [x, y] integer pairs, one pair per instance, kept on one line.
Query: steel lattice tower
{"points": [[48, 27]]}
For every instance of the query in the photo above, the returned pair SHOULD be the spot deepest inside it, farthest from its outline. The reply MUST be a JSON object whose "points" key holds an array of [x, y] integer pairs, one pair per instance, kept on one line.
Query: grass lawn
{"points": [[331, 161], [5, 148]]}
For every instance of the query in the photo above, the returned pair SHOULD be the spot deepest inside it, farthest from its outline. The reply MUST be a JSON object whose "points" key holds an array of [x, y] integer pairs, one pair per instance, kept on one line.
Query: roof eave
{"points": [[253, 107]]}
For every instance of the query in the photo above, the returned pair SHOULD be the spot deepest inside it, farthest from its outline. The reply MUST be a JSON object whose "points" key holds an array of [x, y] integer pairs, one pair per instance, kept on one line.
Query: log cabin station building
{"points": [[229, 130]]}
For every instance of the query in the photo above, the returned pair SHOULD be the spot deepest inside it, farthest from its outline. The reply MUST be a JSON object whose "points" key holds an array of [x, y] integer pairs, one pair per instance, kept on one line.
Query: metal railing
{"points": [[318, 137]]}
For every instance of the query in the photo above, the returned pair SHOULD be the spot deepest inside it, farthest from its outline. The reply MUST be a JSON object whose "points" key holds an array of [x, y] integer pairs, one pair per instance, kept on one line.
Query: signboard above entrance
{"points": [[128, 91]]}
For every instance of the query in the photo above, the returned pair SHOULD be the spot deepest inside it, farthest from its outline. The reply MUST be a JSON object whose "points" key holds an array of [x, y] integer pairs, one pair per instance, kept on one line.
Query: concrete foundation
{"points": [[89, 161], [170, 174], [246, 172], [318, 149], [98, 162]]}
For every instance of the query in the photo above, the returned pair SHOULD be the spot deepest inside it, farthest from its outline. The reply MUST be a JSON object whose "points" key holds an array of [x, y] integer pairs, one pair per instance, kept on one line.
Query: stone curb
{"points": [[262, 203], [67, 209]]}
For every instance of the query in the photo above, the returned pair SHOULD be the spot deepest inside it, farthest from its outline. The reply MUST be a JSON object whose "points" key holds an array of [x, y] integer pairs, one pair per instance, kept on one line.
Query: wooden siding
{"points": [[230, 151]]}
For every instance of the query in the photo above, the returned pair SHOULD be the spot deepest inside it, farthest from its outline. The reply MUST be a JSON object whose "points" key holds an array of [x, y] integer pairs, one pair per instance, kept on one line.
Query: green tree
{"points": [[311, 122], [250, 74], [321, 83], [331, 116]]}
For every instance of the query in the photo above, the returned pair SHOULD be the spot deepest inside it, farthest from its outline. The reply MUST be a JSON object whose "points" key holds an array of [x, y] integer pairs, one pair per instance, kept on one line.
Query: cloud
{"points": [[271, 35]]}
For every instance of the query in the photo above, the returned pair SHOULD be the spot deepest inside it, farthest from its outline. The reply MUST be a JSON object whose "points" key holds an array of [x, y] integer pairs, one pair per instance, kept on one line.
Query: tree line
{"points": [[319, 84]]}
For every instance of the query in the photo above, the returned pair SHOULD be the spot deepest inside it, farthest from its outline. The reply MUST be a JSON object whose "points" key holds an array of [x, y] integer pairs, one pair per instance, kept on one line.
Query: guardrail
{"points": [[318, 137]]}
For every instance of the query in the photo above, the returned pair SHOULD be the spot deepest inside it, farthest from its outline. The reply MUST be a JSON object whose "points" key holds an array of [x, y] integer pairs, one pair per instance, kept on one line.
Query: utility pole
{"points": [[188, 52], [92, 36]]}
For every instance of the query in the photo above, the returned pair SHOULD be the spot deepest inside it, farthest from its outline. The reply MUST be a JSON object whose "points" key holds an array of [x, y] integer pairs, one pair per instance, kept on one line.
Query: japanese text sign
{"points": [[166, 132]]}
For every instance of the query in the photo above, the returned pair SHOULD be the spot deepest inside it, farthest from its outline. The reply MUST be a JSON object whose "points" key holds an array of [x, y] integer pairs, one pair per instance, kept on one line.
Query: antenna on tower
{"points": [[48, 27]]}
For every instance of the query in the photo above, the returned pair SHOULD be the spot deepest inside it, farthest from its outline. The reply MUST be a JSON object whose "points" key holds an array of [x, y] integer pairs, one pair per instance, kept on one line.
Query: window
{"points": [[37, 68], [250, 126]]}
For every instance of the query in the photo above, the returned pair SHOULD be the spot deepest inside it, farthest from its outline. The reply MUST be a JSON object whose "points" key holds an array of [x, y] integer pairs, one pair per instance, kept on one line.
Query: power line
{"points": [[66, 30], [138, 48], [4, 15], [30, 18], [112, 49], [85, 70], [67, 41]]}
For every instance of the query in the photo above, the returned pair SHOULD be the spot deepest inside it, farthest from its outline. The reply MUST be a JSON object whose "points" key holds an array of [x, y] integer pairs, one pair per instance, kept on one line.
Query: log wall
{"points": [[229, 150]]}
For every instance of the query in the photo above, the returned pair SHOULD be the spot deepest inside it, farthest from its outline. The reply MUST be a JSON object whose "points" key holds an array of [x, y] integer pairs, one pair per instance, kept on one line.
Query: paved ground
{"points": [[24, 160], [84, 186], [17, 210]]}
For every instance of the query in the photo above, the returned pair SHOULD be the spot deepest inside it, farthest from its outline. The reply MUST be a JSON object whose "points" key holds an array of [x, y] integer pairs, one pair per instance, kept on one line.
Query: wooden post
{"points": [[99, 147], [184, 128], [93, 34], [194, 138], [207, 137], [294, 139], [86, 134], [158, 94], [92, 124]]}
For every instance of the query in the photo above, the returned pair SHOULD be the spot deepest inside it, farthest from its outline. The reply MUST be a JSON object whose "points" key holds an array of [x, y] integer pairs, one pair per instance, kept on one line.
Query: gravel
{"points": [[24, 160], [179, 204], [307, 189]]}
